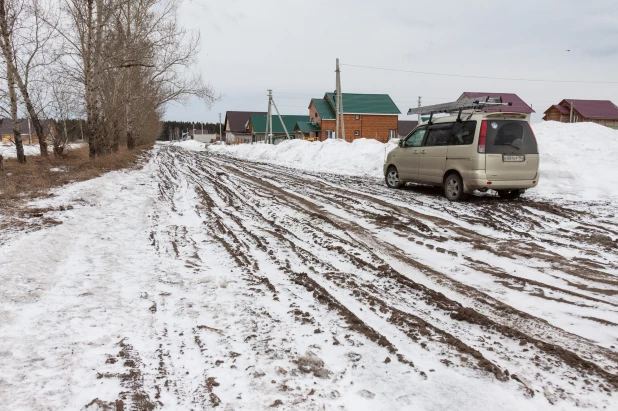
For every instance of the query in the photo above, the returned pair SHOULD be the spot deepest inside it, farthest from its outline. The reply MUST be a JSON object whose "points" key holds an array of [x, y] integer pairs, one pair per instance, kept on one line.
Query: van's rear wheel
{"points": [[509, 194], [392, 178], [454, 188]]}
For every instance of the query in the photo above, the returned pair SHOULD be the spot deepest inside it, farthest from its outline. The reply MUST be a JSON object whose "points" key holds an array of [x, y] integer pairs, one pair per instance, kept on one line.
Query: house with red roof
{"points": [[602, 112], [517, 104]]}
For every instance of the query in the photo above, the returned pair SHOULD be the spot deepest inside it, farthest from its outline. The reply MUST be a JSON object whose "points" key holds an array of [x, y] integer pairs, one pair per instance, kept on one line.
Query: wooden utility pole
{"points": [[220, 135], [269, 119], [339, 104], [571, 116]]}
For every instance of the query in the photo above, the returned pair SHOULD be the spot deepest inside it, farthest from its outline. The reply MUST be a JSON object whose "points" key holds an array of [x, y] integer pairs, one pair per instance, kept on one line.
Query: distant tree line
{"points": [[176, 128]]}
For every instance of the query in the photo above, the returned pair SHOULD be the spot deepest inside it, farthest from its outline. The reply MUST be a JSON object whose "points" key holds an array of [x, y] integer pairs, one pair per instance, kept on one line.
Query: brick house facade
{"points": [[373, 116]]}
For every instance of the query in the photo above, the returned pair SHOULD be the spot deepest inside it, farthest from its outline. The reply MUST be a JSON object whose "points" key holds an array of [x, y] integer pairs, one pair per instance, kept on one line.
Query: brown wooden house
{"points": [[602, 112], [372, 116], [28, 134], [236, 126]]}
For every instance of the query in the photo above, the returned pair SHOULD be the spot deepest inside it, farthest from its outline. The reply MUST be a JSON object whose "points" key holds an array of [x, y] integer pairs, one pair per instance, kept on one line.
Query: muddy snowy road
{"points": [[202, 281]]}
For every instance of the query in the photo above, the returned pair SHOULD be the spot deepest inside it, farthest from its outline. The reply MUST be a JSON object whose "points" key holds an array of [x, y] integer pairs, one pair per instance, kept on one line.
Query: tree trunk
{"points": [[130, 140], [15, 77], [116, 134], [38, 128], [8, 56]]}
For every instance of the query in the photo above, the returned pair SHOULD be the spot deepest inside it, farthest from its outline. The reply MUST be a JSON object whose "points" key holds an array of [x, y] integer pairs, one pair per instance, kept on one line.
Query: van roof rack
{"points": [[477, 104]]}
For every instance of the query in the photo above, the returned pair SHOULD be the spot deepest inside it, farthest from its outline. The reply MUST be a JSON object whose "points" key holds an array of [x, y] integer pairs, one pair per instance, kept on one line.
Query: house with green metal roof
{"points": [[372, 116], [257, 125]]}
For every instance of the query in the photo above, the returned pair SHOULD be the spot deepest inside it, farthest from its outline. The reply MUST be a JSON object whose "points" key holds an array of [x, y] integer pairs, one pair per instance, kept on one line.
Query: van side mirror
{"points": [[401, 141]]}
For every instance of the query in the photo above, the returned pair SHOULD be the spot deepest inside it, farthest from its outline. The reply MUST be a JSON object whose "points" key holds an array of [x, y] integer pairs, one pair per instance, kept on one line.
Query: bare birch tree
{"points": [[7, 22], [25, 46]]}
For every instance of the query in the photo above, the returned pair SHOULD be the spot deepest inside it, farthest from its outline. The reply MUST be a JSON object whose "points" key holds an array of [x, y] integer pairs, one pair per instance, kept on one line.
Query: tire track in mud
{"points": [[241, 244], [252, 210], [578, 268], [295, 204]]}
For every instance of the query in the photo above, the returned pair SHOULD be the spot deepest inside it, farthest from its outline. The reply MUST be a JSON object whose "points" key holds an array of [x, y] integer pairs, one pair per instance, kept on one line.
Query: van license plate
{"points": [[511, 158]]}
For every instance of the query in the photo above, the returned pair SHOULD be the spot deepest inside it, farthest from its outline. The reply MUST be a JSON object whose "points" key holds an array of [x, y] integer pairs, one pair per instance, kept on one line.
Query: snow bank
{"points": [[8, 150], [191, 145], [361, 157], [578, 161]]}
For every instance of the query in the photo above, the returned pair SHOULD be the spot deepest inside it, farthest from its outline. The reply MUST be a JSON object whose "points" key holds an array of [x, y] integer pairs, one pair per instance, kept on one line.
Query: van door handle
{"points": [[423, 151], [415, 151]]}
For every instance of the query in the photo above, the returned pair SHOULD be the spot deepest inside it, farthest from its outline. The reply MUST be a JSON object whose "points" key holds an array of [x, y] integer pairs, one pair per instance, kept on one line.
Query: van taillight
{"points": [[482, 136]]}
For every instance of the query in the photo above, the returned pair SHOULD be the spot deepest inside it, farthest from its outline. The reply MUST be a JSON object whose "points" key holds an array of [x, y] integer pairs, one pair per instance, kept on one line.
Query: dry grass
{"points": [[35, 178]]}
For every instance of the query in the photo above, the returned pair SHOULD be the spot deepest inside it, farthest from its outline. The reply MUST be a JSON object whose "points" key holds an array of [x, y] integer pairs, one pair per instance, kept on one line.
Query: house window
{"points": [[357, 117], [356, 133], [312, 120], [392, 133], [329, 133]]}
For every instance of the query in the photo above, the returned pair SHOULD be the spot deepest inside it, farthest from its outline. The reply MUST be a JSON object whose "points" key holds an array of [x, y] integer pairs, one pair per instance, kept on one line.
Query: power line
{"points": [[480, 77]]}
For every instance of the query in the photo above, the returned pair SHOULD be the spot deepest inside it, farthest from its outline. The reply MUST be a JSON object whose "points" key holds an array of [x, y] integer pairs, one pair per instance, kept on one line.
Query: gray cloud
{"points": [[291, 46]]}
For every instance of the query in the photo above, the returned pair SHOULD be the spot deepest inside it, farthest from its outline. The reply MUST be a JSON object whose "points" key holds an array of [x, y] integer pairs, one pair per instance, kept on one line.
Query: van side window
{"points": [[416, 138], [462, 133], [438, 135]]}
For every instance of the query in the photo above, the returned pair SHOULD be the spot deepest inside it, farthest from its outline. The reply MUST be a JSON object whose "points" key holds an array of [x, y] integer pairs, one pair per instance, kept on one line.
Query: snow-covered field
{"points": [[205, 280], [577, 160], [8, 150]]}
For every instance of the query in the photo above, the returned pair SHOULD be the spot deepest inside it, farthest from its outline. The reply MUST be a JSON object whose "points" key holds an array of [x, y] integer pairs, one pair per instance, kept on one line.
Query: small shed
{"points": [[307, 130]]}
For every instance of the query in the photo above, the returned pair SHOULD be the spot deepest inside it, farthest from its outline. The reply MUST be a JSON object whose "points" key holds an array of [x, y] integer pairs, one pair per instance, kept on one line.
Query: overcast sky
{"points": [[290, 46]]}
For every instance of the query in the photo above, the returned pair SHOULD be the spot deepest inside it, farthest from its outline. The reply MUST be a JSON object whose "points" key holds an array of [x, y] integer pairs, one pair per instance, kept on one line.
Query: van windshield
{"points": [[510, 137]]}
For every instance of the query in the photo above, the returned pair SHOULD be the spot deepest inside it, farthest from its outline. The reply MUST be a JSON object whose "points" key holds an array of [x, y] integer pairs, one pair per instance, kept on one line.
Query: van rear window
{"points": [[510, 137]]}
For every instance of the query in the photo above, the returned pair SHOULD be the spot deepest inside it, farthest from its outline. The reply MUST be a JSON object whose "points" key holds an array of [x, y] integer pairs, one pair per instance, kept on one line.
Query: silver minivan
{"points": [[484, 151]]}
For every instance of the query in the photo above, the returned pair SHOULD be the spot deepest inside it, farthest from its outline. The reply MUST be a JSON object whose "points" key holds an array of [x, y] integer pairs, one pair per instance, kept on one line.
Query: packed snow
{"points": [[8, 150], [201, 280], [578, 161], [361, 157]]}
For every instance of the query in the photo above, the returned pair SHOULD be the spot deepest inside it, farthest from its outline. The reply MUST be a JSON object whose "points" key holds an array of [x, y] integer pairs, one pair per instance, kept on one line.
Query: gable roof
{"points": [[404, 127], [305, 126], [519, 106], [562, 109], [325, 111], [601, 109], [258, 122], [354, 103], [238, 119]]}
